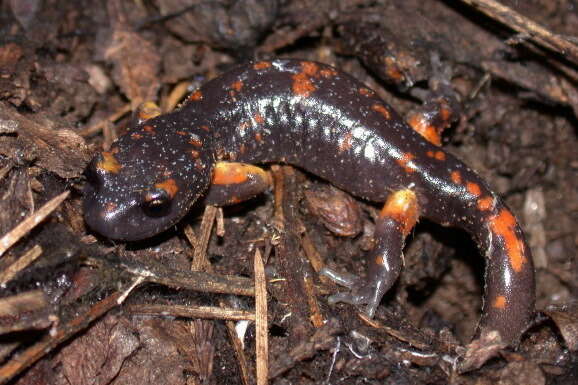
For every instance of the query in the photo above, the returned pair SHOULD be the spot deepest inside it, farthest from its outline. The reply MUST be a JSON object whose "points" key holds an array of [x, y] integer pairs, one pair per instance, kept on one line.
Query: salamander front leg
{"points": [[397, 218], [236, 182]]}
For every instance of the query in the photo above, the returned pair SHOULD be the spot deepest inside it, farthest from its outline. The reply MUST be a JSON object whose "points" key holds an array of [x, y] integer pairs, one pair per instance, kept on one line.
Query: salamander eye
{"points": [[156, 203], [93, 177]]}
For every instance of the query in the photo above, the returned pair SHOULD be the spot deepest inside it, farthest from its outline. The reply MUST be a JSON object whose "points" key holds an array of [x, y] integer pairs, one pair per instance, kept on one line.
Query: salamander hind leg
{"points": [[397, 218]]}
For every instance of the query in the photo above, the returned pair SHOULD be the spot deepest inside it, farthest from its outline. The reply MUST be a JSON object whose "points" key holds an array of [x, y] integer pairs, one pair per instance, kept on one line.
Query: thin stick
{"points": [[261, 329], [31, 222], [522, 24], [205, 312], [20, 264]]}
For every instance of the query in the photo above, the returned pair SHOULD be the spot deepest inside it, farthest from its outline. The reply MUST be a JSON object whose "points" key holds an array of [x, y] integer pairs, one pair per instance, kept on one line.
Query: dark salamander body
{"points": [[324, 121]]}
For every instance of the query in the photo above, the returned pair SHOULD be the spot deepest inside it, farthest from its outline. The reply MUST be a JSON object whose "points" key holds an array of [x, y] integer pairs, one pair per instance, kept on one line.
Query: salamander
{"points": [[320, 119]]}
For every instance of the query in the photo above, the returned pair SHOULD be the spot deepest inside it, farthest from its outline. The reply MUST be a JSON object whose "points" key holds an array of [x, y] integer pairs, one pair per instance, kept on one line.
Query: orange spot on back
{"points": [[109, 163], [170, 186], [136, 136], [259, 119], [196, 96], [382, 110], [204, 127], [485, 203], [262, 65], [328, 72], [500, 302], [258, 137], [474, 188], [402, 207], [440, 155], [309, 68], [456, 177], [346, 143], [237, 86], [302, 85], [182, 133], [405, 162], [504, 225], [195, 154]]}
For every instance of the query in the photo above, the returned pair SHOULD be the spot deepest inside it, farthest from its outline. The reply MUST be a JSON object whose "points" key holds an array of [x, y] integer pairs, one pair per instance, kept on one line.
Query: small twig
{"points": [[205, 312], [129, 290], [20, 264], [31, 222], [96, 128], [261, 328], [200, 261], [22, 303], [525, 26]]}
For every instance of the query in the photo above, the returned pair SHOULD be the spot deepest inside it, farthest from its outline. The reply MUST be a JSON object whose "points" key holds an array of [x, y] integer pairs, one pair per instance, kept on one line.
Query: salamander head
{"points": [[144, 184]]}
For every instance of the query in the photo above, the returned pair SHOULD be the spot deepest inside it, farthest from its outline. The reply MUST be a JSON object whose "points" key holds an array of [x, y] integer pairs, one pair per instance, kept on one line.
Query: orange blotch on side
{"points": [[485, 203], [262, 65], [196, 142], [136, 136], [365, 91], [405, 162], [237, 86], [500, 302], [258, 137], [195, 154], [204, 127], [402, 207], [474, 188], [196, 96], [456, 177], [149, 129], [440, 155], [379, 260], [182, 133], [242, 148], [109, 163], [420, 125], [382, 110], [170, 186], [504, 225]]}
